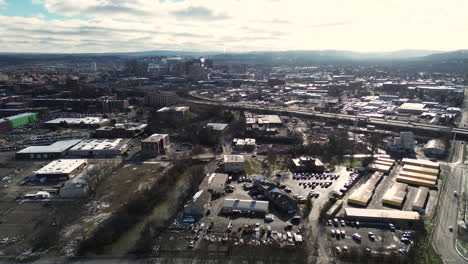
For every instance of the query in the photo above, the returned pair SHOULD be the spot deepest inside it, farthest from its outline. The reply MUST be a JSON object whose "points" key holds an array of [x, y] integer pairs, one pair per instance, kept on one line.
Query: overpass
{"points": [[417, 128]]}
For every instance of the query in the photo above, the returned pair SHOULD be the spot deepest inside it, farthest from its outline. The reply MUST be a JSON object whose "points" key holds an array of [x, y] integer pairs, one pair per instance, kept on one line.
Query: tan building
{"points": [[154, 145]]}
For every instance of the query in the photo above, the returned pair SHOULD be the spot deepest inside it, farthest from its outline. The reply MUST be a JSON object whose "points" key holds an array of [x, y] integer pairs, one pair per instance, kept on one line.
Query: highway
{"points": [[448, 206], [434, 130], [447, 213]]}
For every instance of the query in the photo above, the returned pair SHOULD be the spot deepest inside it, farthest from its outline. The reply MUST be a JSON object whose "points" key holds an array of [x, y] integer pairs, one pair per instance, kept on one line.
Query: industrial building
{"points": [[395, 196], [16, 121], [216, 183], [434, 148], [412, 108], [419, 172], [244, 144], [61, 169], [381, 215], [84, 122], [99, 148], [78, 186], [404, 143], [245, 206], [173, 112], [53, 151], [381, 165], [198, 205], [234, 163], [421, 163], [420, 199], [217, 127], [307, 164], [363, 194], [278, 197], [154, 145], [126, 130]]}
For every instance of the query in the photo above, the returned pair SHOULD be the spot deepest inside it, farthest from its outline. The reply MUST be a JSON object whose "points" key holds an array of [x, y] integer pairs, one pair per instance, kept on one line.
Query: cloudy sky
{"points": [[231, 25]]}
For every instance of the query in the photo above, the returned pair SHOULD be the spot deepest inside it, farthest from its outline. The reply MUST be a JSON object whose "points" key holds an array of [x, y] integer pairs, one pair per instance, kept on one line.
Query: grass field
{"points": [[253, 167]]}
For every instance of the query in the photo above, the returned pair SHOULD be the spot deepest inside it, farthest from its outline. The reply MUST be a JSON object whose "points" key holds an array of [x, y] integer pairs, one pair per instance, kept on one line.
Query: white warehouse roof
{"points": [[61, 166]]}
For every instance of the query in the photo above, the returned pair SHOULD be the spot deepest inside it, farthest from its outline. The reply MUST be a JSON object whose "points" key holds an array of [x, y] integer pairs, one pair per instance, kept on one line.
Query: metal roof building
{"points": [[381, 215], [421, 163], [396, 195], [420, 199], [421, 170], [55, 150], [245, 205], [415, 181], [362, 195]]}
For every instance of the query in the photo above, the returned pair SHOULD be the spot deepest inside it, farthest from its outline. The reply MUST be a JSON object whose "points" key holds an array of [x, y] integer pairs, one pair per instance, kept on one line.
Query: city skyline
{"points": [[70, 26]]}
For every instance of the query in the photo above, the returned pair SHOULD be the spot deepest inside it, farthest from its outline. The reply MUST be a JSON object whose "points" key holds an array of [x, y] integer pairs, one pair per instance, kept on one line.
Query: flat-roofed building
{"points": [[234, 163], [99, 148], [395, 196], [363, 194], [412, 108], [216, 183], [217, 127], [244, 144], [53, 151], [84, 122], [379, 168], [61, 169], [120, 130], [307, 164], [420, 199], [173, 112], [381, 215], [154, 145], [245, 206]]}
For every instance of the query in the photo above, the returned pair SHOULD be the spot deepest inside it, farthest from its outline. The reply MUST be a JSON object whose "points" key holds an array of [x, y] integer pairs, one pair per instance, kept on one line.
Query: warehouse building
{"points": [[420, 199], [382, 165], [78, 186], [173, 112], [418, 176], [234, 163], [126, 130], [198, 205], [395, 196], [245, 206], [244, 144], [421, 163], [216, 183], [84, 122], [99, 148], [412, 108], [56, 150], [21, 120], [434, 148], [381, 215], [421, 170], [154, 145], [362, 195], [62, 169], [416, 181]]}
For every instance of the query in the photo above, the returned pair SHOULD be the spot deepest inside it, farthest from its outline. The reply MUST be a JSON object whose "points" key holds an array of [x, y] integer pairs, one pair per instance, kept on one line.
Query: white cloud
{"points": [[3, 3], [240, 25]]}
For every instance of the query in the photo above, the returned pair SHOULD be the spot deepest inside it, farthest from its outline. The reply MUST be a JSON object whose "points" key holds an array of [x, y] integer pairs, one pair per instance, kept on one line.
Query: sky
{"points": [[73, 26]]}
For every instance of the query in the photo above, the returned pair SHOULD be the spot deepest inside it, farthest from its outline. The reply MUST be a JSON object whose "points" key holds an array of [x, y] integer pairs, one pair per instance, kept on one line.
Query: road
{"points": [[447, 214], [443, 239]]}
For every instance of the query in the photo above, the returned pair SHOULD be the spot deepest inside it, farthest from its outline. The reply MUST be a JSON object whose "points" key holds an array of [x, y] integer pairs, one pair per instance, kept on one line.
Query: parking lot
{"points": [[368, 238]]}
